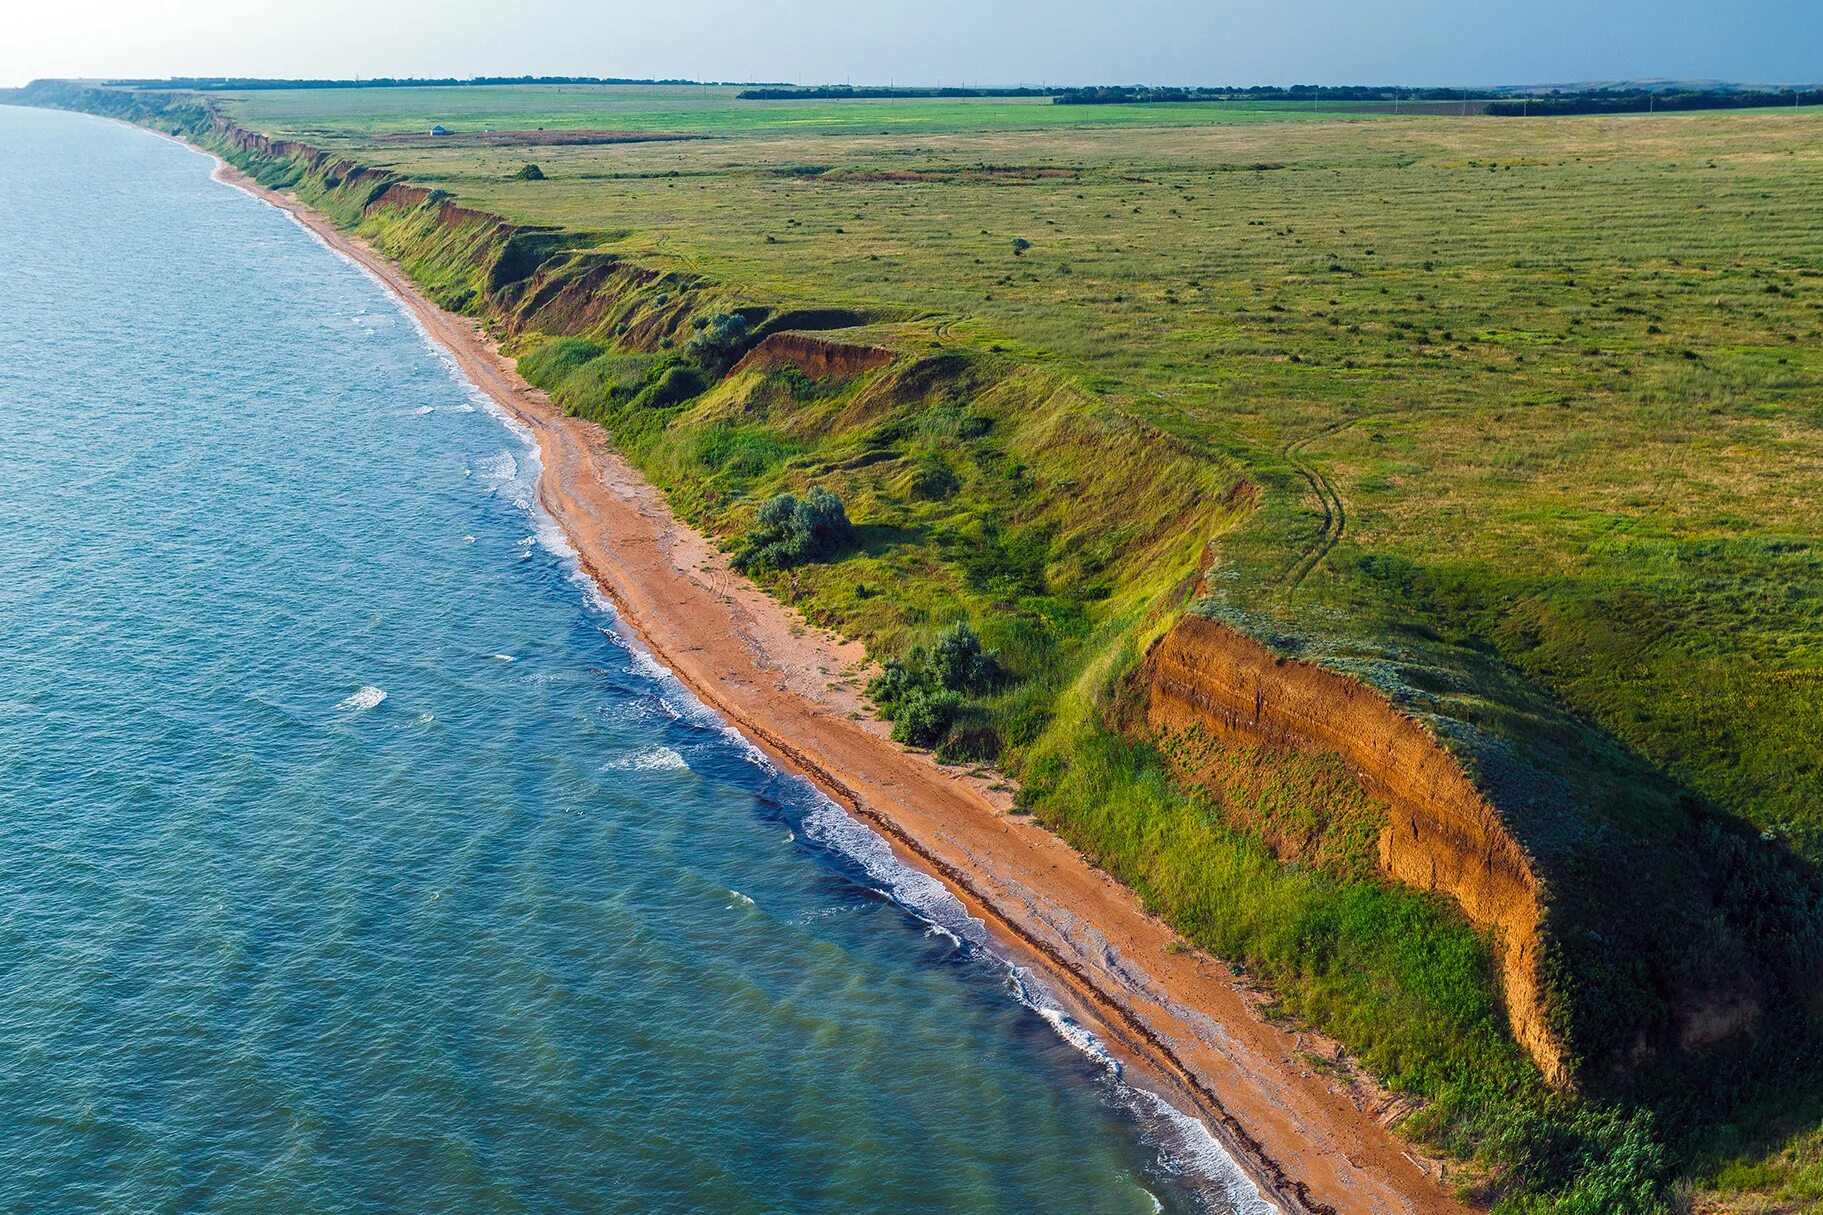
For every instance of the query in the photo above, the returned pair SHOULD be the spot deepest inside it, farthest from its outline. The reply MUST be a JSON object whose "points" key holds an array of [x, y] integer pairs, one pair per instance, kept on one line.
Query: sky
{"points": [[1416, 42]]}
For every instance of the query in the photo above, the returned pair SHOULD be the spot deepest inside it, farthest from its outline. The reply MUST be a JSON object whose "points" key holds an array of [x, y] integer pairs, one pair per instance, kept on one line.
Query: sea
{"points": [[352, 860]]}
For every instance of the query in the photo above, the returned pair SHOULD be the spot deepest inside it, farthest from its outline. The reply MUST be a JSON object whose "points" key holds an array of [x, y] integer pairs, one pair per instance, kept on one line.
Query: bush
{"points": [[960, 664], [792, 531], [719, 340], [923, 717], [897, 681], [529, 173], [923, 696], [675, 385]]}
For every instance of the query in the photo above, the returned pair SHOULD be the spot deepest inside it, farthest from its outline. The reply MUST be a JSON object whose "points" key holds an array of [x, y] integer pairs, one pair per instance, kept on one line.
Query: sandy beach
{"points": [[1182, 1023]]}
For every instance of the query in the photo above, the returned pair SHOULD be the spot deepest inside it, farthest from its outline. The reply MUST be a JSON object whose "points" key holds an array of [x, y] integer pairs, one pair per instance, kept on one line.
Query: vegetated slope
{"points": [[1069, 518]]}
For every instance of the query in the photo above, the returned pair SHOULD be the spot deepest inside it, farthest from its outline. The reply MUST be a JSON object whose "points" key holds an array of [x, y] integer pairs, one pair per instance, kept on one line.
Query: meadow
{"points": [[1519, 420], [1561, 378]]}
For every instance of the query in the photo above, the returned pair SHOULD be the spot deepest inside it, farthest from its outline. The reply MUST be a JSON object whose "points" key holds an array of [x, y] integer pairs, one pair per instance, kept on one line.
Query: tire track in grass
{"points": [[1329, 498]]}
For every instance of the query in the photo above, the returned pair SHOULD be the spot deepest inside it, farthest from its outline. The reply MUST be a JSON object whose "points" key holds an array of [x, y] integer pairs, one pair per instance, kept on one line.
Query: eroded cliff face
{"points": [[814, 356], [1441, 835]]}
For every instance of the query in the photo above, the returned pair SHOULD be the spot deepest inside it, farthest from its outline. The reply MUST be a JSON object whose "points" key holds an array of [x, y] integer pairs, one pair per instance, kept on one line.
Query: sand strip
{"points": [[1311, 1140]]}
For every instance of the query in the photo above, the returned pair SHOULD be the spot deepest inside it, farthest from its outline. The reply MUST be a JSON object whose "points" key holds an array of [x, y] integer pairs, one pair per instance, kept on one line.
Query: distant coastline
{"points": [[1180, 1018]]}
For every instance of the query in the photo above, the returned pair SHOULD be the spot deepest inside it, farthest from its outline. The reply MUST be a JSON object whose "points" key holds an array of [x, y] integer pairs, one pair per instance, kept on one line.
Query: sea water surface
{"points": [[351, 863]]}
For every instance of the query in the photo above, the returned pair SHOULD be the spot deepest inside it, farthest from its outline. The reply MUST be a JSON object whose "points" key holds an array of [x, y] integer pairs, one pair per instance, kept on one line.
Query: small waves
{"points": [[1078, 1036], [367, 697], [1189, 1148], [649, 759]]}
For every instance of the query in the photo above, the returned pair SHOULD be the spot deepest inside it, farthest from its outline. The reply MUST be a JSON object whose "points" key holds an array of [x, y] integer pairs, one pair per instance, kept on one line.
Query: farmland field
{"points": [[1519, 421]]}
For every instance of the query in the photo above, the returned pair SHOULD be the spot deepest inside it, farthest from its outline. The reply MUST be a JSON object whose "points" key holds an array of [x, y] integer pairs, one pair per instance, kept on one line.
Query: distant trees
{"points": [[1641, 101]]}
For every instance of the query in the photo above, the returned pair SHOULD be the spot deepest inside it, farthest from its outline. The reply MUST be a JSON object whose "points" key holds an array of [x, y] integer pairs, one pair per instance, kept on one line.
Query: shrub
{"points": [[896, 682], [529, 173], [959, 663], [719, 340], [923, 696], [675, 385], [923, 717], [791, 531]]}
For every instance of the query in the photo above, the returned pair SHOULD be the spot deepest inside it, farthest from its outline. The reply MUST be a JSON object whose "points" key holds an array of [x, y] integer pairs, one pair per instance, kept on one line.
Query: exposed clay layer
{"points": [[1442, 833], [814, 356]]}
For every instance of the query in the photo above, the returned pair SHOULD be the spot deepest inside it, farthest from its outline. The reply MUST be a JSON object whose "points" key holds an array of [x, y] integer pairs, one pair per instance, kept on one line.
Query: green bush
{"points": [[792, 531], [719, 340], [529, 173], [923, 696], [959, 663], [923, 717], [676, 384]]}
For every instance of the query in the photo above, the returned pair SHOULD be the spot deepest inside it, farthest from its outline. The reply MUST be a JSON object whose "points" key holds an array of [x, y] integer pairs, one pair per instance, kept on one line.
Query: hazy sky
{"points": [[926, 41]]}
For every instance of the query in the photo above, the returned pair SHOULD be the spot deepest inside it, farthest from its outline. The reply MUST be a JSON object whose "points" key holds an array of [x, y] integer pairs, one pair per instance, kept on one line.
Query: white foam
{"points": [[649, 759], [1073, 1032], [918, 892], [503, 657], [421, 410], [1189, 1147], [749, 752], [363, 700], [498, 467]]}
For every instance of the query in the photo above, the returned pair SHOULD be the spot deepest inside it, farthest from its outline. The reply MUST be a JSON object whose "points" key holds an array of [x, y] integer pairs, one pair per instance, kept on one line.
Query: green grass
{"points": [[1531, 411], [1480, 331], [332, 115]]}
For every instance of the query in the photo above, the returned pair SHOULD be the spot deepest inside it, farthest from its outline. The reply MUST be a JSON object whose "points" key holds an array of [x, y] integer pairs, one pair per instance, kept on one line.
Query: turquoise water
{"points": [[351, 863]]}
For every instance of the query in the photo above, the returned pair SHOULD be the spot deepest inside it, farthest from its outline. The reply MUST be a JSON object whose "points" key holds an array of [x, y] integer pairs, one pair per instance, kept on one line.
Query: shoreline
{"points": [[1312, 1142]]}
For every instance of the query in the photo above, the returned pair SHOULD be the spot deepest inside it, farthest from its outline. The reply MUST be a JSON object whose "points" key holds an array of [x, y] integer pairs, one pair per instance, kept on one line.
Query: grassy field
{"points": [[1562, 376], [1519, 420], [328, 115]]}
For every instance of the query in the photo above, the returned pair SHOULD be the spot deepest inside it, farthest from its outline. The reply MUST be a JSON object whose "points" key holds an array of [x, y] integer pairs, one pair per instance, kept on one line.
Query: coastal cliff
{"points": [[1516, 817], [1440, 833], [1631, 935]]}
